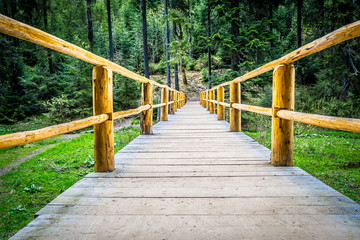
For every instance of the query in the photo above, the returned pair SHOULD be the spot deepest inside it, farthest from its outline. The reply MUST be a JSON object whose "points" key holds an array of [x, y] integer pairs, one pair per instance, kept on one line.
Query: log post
{"points": [[282, 131], [176, 101], [220, 108], [235, 114], [180, 100], [207, 100], [103, 132], [172, 106], [164, 109], [212, 105], [147, 115]]}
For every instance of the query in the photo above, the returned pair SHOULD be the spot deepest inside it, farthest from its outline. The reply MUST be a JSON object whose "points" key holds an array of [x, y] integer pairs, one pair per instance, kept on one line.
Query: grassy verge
{"points": [[34, 183], [332, 157]]}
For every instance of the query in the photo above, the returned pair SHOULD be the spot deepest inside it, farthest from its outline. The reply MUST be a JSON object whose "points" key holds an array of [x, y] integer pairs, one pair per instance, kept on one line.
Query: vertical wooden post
{"points": [[176, 101], [212, 105], [172, 109], [164, 109], [235, 114], [282, 131], [103, 132], [213, 98], [179, 102], [207, 100], [220, 108], [147, 116]]}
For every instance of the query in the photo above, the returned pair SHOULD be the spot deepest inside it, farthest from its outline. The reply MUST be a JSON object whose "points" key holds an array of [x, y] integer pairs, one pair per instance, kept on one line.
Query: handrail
{"points": [[255, 109], [23, 31], [345, 33], [20, 138], [338, 123], [282, 110], [130, 112], [159, 105], [102, 97]]}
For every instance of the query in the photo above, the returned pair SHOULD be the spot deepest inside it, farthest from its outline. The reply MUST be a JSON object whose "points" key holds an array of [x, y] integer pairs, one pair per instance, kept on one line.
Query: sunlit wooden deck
{"points": [[193, 179]]}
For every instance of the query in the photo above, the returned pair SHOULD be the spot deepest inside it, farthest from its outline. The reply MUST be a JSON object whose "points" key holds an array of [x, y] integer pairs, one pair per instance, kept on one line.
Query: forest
{"points": [[220, 39], [190, 45]]}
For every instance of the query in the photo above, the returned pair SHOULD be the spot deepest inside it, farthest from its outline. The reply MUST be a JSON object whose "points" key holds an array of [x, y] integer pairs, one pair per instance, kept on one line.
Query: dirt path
{"points": [[192, 89]]}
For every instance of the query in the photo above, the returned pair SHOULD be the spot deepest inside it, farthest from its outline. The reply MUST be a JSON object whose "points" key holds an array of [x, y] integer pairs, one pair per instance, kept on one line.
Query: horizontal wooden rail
{"points": [[171, 102], [159, 105], [255, 109], [20, 138], [345, 33], [213, 101], [23, 31], [224, 104], [344, 124], [130, 112]]}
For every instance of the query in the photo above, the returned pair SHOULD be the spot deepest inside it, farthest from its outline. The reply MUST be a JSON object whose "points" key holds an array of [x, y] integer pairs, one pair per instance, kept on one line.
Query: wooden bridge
{"points": [[192, 176], [193, 179]]}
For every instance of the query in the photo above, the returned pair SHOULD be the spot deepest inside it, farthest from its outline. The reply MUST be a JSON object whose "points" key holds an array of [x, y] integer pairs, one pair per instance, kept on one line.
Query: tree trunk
{"points": [[48, 52], [176, 74], [90, 26], [167, 46], [111, 49], [209, 35], [183, 71], [13, 15], [298, 70], [189, 21], [234, 34], [146, 56]]}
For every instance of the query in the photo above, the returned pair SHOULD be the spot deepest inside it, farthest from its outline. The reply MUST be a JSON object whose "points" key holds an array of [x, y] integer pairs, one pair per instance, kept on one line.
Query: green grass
{"points": [[34, 183], [332, 157], [9, 155]]}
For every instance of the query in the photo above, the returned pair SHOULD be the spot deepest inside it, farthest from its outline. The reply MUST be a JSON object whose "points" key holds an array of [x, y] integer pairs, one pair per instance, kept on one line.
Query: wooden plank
{"points": [[200, 206], [193, 227], [184, 184], [118, 174]]}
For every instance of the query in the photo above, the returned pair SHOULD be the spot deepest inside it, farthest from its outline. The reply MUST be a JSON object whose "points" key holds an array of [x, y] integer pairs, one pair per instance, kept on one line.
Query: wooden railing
{"points": [[102, 97], [282, 110]]}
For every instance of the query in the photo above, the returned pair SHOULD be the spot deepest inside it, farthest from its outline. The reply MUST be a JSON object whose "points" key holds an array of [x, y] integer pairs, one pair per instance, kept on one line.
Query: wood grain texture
{"points": [[220, 108], [146, 122], [130, 112], [183, 183], [338, 123], [235, 114], [164, 109], [20, 138], [282, 130], [103, 132], [255, 109]]}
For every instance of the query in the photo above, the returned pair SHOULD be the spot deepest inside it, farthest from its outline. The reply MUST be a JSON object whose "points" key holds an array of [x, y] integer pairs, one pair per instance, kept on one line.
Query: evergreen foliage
{"points": [[244, 35]]}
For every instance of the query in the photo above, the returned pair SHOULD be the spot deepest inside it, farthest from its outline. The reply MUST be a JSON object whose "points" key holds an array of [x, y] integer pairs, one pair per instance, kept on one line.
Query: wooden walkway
{"points": [[193, 179]]}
